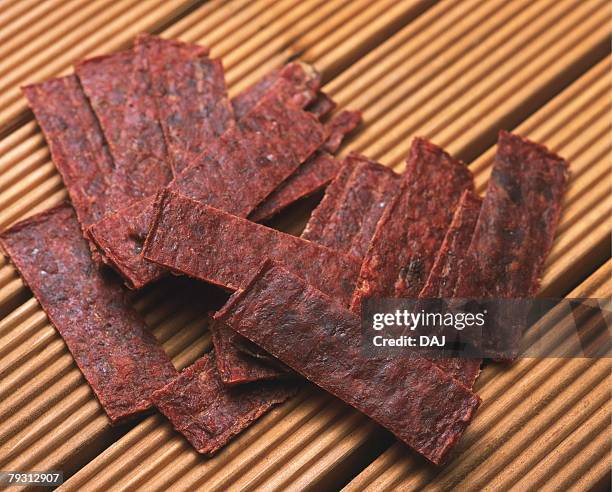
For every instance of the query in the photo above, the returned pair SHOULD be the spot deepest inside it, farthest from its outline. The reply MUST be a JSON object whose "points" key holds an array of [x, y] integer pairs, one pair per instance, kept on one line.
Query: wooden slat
{"points": [[549, 410], [304, 443]]}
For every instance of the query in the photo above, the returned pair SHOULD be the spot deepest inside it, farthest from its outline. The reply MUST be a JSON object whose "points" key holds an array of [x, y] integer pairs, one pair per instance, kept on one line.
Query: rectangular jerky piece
{"points": [[76, 142], [114, 349], [299, 74], [207, 412], [252, 158], [517, 222], [441, 281], [314, 174], [205, 243], [240, 361], [413, 226], [515, 228], [356, 201], [121, 235], [189, 89], [422, 405], [126, 109]]}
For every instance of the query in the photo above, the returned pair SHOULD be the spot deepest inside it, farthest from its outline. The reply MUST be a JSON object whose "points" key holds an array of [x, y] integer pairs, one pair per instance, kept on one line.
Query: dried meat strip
{"points": [[207, 412], [240, 361], [517, 222], [126, 109], [443, 276], [515, 228], [199, 241], [317, 172], [423, 406], [189, 89], [76, 142], [297, 73], [252, 158], [218, 177], [359, 199], [413, 226], [114, 349]]}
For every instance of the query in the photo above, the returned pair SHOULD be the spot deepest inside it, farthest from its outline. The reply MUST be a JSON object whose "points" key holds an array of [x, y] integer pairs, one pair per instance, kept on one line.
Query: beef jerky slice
{"points": [[121, 235], [356, 200], [207, 412], [126, 109], [422, 405], [76, 143], [115, 351], [443, 275], [239, 360], [189, 89], [515, 230], [517, 222], [413, 226], [205, 243], [316, 173], [300, 75]]}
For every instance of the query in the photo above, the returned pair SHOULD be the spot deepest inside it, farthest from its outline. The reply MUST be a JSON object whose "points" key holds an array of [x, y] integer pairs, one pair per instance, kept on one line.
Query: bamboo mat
{"points": [[453, 71]]}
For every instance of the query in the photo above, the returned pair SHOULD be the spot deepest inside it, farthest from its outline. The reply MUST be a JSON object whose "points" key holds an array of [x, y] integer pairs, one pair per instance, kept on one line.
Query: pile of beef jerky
{"points": [[166, 174]]}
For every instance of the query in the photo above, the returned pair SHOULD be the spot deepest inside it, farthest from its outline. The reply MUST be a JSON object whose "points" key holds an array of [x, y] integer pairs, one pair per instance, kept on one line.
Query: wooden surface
{"points": [[453, 71]]}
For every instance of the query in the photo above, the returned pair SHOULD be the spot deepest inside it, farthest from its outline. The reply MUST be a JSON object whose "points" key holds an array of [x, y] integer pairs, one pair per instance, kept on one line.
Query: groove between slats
{"points": [[253, 475]]}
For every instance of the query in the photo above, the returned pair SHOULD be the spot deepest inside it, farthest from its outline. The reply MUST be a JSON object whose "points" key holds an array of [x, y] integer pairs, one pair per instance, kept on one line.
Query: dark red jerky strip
{"points": [[235, 365], [423, 406], [316, 173], [121, 235], [76, 143], [358, 206], [252, 158], [207, 412], [413, 226], [321, 216], [191, 97], [304, 78], [339, 127], [205, 243], [115, 351], [138, 148], [517, 222], [442, 278]]}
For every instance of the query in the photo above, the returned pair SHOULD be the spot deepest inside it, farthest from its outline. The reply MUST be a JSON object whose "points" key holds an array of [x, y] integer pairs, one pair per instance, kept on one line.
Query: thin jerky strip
{"points": [[317, 172], [443, 276], [298, 73], [240, 361], [205, 243], [413, 226], [515, 228], [138, 148], [114, 349], [191, 97], [358, 206], [517, 222], [207, 412], [77, 146], [121, 235], [252, 158], [422, 405]]}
